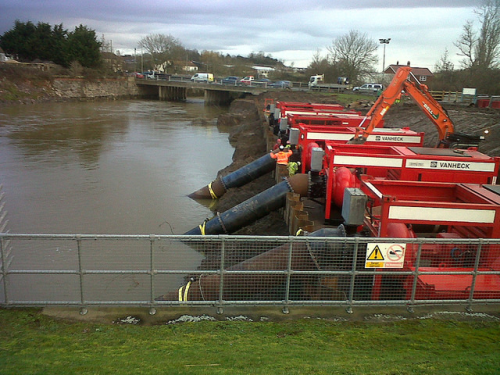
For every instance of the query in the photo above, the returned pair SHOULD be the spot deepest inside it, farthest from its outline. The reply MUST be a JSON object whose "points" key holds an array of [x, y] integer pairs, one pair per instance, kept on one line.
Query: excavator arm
{"points": [[418, 93]]}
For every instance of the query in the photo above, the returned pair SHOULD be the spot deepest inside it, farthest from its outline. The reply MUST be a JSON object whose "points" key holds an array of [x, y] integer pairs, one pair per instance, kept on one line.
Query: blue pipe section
{"points": [[246, 212], [249, 172]]}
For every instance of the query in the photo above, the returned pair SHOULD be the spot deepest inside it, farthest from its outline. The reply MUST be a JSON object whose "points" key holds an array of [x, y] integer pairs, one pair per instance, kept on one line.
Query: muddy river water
{"points": [[121, 167]]}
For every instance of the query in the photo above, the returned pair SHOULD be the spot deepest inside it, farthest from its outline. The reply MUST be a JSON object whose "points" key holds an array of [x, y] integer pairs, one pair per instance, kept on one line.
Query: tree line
{"points": [[29, 42], [166, 53]]}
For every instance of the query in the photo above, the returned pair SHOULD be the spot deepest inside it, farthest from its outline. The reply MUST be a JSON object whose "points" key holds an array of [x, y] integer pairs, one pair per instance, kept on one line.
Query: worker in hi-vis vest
{"points": [[281, 161], [282, 156]]}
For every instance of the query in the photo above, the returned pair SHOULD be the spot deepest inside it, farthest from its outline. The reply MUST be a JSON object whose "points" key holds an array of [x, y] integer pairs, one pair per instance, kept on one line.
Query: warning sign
{"points": [[385, 255], [376, 254]]}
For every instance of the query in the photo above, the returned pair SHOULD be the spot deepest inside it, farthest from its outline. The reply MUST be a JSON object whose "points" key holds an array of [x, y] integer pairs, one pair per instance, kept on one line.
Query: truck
{"points": [[317, 82]]}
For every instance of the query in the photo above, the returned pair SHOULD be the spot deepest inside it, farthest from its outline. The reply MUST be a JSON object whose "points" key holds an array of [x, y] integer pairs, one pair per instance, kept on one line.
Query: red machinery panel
{"points": [[458, 211], [334, 119], [414, 163], [387, 136], [470, 210], [287, 109], [311, 107], [405, 163]]}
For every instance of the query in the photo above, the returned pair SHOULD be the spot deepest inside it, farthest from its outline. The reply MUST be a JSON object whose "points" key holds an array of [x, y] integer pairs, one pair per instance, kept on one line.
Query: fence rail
{"points": [[159, 271]]}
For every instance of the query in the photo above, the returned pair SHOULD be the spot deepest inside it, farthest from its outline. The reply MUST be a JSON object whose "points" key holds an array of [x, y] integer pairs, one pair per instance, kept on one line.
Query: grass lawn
{"points": [[32, 343]]}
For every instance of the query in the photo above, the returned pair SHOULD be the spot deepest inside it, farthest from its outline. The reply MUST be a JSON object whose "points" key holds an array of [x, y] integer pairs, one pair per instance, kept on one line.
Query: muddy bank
{"points": [[247, 121], [21, 84]]}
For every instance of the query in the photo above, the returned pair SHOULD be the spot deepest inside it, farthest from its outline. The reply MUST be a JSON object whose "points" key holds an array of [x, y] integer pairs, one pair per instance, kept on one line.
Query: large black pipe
{"points": [[240, 177], [250, 172], [254, 208], [303, 257]]}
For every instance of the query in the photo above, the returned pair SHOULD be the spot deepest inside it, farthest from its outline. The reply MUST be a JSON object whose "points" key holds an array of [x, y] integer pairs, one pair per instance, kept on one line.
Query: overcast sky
{"points": [[291, 30]]}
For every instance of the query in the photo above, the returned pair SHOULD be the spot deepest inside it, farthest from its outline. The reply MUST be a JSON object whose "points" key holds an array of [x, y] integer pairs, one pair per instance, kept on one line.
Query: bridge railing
{"points": [[160, 271]]}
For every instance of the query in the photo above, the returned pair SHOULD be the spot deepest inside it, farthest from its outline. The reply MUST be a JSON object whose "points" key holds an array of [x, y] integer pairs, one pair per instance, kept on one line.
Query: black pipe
{"points": [[240, 177], [250, 172], [303, 257], [254, 208]]}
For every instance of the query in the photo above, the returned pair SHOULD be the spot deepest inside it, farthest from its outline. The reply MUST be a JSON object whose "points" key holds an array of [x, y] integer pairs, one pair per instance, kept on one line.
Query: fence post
{"points": [[289, 275], [152, 272], [415, 276], [3, 259], [474, 275], [220, 308], [83, 309], [353, 276]]}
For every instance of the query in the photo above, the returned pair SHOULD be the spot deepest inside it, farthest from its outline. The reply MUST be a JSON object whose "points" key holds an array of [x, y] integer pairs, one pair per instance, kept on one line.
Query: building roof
{"points": [[263, 68], [393, 68]]}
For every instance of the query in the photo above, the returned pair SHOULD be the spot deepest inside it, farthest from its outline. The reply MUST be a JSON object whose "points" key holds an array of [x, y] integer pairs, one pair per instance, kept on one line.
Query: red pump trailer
{"points": [[402, 163], [333, 119], [398, 208], [311, 136], [387, 136]]}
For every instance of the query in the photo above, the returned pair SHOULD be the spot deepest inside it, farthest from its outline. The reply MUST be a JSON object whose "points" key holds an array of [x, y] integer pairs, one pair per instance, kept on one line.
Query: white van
{"points": [[203, 77]]}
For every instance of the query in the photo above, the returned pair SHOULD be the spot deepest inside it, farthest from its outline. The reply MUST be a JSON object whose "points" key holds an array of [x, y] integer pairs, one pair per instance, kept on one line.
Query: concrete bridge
{"points": [[214, 93]]}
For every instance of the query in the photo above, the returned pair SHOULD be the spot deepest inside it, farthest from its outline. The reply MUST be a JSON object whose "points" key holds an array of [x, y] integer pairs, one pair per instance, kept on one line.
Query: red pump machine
{"points": [[402, 163], [399, 209]]}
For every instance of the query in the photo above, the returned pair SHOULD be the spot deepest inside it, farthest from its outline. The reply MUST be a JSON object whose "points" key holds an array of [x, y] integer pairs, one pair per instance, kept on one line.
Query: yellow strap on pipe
{"points": [[299, 232], [180, 293], [212, 194], [202, 228], [183, 292], [186, 290]]}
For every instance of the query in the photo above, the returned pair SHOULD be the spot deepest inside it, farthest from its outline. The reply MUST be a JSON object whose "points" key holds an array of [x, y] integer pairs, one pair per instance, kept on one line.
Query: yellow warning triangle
{"points": [[376, 254]]}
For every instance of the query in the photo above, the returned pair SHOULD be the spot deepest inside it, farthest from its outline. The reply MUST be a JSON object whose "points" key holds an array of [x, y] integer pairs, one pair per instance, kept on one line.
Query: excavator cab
{"points": [[461, 140]]}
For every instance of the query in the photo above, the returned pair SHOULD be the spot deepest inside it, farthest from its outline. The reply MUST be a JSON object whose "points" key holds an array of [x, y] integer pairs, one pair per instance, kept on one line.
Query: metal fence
{"points": [[159, 271]]}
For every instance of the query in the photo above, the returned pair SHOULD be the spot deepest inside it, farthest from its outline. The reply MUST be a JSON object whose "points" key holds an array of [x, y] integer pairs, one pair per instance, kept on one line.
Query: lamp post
{"points": [[384, 42]]}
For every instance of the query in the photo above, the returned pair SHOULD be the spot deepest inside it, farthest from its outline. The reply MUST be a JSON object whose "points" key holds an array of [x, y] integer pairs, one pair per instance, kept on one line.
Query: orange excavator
{"points": [[420, 94]]}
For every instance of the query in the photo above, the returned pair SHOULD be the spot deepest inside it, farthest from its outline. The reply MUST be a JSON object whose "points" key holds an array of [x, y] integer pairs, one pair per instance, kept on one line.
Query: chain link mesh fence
{"points": [[84, 270]]}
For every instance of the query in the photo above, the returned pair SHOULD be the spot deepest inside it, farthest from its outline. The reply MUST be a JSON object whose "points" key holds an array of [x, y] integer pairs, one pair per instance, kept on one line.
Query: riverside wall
{"points": [[75, 88]]}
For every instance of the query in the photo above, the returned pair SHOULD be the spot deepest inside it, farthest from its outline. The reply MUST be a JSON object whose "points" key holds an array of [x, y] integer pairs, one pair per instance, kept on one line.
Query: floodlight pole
{"points": [[384, 42]]}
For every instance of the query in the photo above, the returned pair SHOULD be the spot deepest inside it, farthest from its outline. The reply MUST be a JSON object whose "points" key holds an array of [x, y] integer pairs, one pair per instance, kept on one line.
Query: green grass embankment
{"points": [[36, 344]]}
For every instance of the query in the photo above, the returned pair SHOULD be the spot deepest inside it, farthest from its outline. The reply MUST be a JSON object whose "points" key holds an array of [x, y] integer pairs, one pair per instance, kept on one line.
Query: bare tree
{"points": [[213, 62], [466, 44], [164, 49], [444, 64], [318, 64], [481, 50], [323, 65], [488, 46], [445, 77], [354, 54]]}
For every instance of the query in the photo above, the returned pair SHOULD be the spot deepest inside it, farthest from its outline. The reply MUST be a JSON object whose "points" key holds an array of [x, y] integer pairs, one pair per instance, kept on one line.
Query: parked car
{"points": [[262, 82], [369, 88], [148, 75], [231, 80], [281, 84], [247, 80]]}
